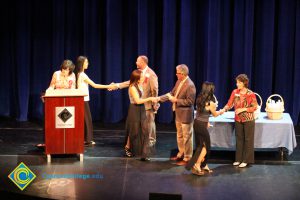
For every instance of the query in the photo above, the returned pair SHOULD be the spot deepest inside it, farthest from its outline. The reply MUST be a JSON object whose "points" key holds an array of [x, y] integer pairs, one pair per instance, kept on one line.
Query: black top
{"points": [[202, 115]]}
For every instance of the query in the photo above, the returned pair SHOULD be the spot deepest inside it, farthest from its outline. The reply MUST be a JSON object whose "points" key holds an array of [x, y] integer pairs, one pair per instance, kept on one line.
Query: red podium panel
{"points": [[64, 140]]}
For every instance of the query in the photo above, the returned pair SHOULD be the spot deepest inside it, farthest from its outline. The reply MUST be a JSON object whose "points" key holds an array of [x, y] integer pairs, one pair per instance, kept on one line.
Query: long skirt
{"points": [[138, 130], [202, 139]]}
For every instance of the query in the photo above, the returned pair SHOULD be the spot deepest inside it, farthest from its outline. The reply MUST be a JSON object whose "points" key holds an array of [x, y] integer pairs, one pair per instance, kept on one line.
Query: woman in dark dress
{"points": [[137, 130], [206, 105]]}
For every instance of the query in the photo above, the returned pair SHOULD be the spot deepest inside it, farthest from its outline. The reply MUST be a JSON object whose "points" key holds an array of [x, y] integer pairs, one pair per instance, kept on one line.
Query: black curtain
{"points": [[217, 39]]}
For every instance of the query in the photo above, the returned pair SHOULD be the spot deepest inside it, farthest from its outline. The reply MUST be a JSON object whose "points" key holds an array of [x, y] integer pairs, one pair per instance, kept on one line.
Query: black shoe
{"points": [[128, 152], [145, 159], [175, 158]]}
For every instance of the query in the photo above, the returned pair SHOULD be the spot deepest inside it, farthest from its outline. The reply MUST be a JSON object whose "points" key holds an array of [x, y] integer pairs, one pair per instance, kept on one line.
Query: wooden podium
{"points": [[64, 122]]}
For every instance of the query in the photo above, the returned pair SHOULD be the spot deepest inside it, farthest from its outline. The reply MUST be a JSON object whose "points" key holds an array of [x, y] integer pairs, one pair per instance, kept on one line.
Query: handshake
{"points": [[154, 99], [222, 111], [113, 86], [163, 98]]}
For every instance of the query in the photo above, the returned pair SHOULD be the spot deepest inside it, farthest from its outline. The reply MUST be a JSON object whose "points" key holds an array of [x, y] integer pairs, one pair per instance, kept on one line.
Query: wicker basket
{"points": [[257, 111], [274, 110]]}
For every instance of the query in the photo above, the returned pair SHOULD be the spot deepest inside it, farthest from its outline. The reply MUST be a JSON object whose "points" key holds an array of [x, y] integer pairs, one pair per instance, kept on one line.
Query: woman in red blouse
{"points": [[244, 102]]}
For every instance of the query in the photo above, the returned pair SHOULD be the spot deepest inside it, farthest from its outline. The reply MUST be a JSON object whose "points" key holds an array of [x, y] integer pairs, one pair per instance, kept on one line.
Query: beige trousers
{"points": [[184, 140], [151, 123]]}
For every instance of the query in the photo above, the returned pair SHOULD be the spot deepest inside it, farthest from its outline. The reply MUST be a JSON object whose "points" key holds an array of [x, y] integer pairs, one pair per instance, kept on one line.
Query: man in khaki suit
{"points": [[150, 89], [183, 98]]}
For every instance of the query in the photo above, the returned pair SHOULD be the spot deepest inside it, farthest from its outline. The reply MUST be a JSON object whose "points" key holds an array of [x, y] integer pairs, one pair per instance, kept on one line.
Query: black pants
{"points": [[88, 123], [202, 139], [244, 132]]}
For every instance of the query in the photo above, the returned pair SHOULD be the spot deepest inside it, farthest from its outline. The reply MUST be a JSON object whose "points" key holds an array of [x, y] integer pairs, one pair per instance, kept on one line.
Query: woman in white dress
{"points": [[83, 82]]}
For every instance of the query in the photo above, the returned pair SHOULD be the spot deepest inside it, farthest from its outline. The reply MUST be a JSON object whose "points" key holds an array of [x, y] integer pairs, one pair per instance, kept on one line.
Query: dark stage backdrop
{"points": [[217, 39]]}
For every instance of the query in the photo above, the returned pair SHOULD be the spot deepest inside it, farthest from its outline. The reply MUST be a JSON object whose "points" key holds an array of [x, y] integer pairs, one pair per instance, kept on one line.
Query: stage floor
{"points": [[106, 174]]}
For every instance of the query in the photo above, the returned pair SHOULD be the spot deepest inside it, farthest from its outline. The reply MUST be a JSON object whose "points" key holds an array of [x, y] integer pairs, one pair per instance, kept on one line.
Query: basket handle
{"points": [[259, 98], [276, 95]]}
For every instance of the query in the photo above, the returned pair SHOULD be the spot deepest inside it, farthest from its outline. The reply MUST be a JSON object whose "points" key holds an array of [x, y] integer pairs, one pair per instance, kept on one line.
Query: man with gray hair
{"points": [[183, 98]]}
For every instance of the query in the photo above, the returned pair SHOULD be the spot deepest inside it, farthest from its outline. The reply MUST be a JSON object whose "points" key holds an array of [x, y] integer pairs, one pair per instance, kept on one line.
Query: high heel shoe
{"points": [[197, 171], [128, 152], [206, 168]]}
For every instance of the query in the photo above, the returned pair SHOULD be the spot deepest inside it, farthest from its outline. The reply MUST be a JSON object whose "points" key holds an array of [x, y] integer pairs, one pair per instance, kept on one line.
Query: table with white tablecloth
{"points": [[268, 133]]}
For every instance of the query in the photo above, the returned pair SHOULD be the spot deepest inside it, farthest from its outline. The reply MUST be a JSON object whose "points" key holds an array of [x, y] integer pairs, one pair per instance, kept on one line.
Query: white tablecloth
{"points": [[268, 133]]}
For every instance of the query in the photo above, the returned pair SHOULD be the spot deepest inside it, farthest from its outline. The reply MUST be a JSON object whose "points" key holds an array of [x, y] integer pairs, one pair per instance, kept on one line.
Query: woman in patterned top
{"points": [[64, 78], [61, 79], [244, 102]]}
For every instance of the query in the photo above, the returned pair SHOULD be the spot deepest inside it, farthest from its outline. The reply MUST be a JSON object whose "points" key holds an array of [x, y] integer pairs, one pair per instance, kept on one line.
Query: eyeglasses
{"points": [[179, 73]]}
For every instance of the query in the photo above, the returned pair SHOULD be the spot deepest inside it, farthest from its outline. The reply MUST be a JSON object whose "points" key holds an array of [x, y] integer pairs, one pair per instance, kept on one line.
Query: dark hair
{"points": [[79, 63], [134, 80], [67, 64], [244, 79], [206, 95], [79, 67]]}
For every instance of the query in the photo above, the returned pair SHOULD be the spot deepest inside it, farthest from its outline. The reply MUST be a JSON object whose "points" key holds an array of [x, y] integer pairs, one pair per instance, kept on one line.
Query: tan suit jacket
{"points": [[150, 86]]}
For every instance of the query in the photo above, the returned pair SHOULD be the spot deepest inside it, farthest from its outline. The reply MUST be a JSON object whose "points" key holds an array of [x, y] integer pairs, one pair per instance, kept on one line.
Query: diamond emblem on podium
{"points": [[64, 115]]}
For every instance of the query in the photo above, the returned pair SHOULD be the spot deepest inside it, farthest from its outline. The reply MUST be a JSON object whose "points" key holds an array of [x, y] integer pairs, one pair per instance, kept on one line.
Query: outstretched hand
{"points": [[112, 86], [240, 110], [221, 111], [155, 99], [173, 99]]}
